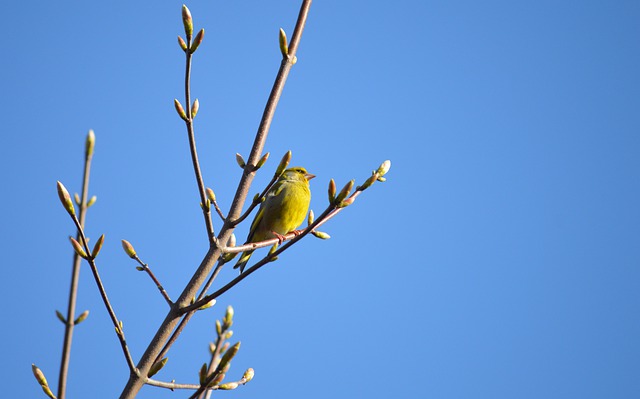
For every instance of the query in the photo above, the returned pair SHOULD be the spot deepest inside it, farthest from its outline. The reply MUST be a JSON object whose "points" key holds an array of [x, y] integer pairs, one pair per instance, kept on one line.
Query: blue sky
{"points": [[499, 260]]}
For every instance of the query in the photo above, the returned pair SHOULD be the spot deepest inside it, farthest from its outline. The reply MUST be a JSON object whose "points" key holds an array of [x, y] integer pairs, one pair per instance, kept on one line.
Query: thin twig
{"points": [[213, 364], [105, 299], [147, 269], [73, 289], [163, 333], [256, 202], [218, 210]]}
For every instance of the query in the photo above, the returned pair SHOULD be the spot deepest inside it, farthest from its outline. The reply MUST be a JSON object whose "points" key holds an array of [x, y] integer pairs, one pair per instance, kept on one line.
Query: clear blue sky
{"points": [[500, 260]]}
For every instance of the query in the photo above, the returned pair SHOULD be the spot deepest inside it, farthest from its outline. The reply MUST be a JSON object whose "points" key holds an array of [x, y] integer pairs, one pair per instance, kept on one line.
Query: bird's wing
{"points": [[255, 223]]}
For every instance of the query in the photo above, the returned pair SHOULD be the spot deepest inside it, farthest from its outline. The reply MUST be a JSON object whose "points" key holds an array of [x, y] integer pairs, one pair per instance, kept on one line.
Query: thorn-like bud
{"points": [[90, 144], [332, 191], [203, 373], [65, 198], [344, 192], [39, 375], [92, 201], [97, 247], [187, 21], [61, 317], [284, 49], [140, 268], [248, 375], [182, 43], [228, 317], [78, 248], [346, 202], [128, 249], [228, 386], [197, 41], [320, 234], [310, 217], [207, 305], [194, 108], [262, 161], [384, 168], [83, 316], [76, 198], [284, 162], [157, 366], [211, 195], [179, 109], [240, 161], [218, 327]]}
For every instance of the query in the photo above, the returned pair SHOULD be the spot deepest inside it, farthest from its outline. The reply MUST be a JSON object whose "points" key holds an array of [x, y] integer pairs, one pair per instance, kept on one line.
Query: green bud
{"points": [[61, 317], [65, 198], [128, 249], [211, 195], [229, 334], [240, 161], [344, 192], [182, 44], [78, 248], [207, 305], [92, 201], [284, 49], [187, 21], [332, 191], [248, 375], [384, 168], [140, 268], [262, 160], [76, 198], [228, 317], [212, 348], [228, 355], [97, 247], [83, 316], [39, 375], [90, 144], [382, 179], [256, 199], [218, 327], [310, 218], [197, 41], [321, 235], [346, 202], [47, 391], [228, 386], [284, 162], [203, 373], [179, 109], [194, 108], [157, 366], [369, 181]]}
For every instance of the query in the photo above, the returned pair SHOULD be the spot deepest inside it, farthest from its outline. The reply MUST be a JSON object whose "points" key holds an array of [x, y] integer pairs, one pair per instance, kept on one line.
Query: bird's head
{"points": [[297, 173]]}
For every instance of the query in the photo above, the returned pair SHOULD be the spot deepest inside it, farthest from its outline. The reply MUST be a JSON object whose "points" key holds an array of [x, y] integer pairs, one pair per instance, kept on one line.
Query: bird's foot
{"points": [[280, 237]]}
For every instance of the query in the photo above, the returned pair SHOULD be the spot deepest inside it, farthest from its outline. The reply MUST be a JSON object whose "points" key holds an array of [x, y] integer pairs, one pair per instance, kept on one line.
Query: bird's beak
{"points": [[309, 176]]}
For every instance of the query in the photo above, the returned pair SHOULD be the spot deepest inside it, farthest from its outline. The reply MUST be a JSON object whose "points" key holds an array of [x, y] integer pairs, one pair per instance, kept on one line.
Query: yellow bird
{"points": [[284, 208]]}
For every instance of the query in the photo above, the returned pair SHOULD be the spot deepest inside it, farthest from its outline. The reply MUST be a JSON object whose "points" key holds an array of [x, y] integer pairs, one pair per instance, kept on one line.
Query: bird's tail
{"points": [[242, 262]]}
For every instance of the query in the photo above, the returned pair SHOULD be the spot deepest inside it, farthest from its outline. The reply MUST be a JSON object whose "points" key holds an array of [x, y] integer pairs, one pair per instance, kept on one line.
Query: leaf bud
{"points": [[92, 201], [218, 327], [384, 168], [211, 195], [207, 305], [83, 316], [228, 317], [128, 249], [76, 198], [187, 21], [228, 386], [332, 191], [262, 160], [282, 39], [344, 192], [90, 144], [197, 41], [157, 366], [97, 247], [228, 355], [78, 248], [310, 217], [346, 202], [65, 198], [320, 234], [248, 375], [39, 375], [179, 109], [194, 108], [202, 374], [240, 161], [217, 379], [284, 162], [61, 317], [140, 268], [182, 44], [367, 183]]}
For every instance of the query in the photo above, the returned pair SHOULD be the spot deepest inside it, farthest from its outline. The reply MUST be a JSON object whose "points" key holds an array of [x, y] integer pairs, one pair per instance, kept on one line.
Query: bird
{"points": [[284, 208]]}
